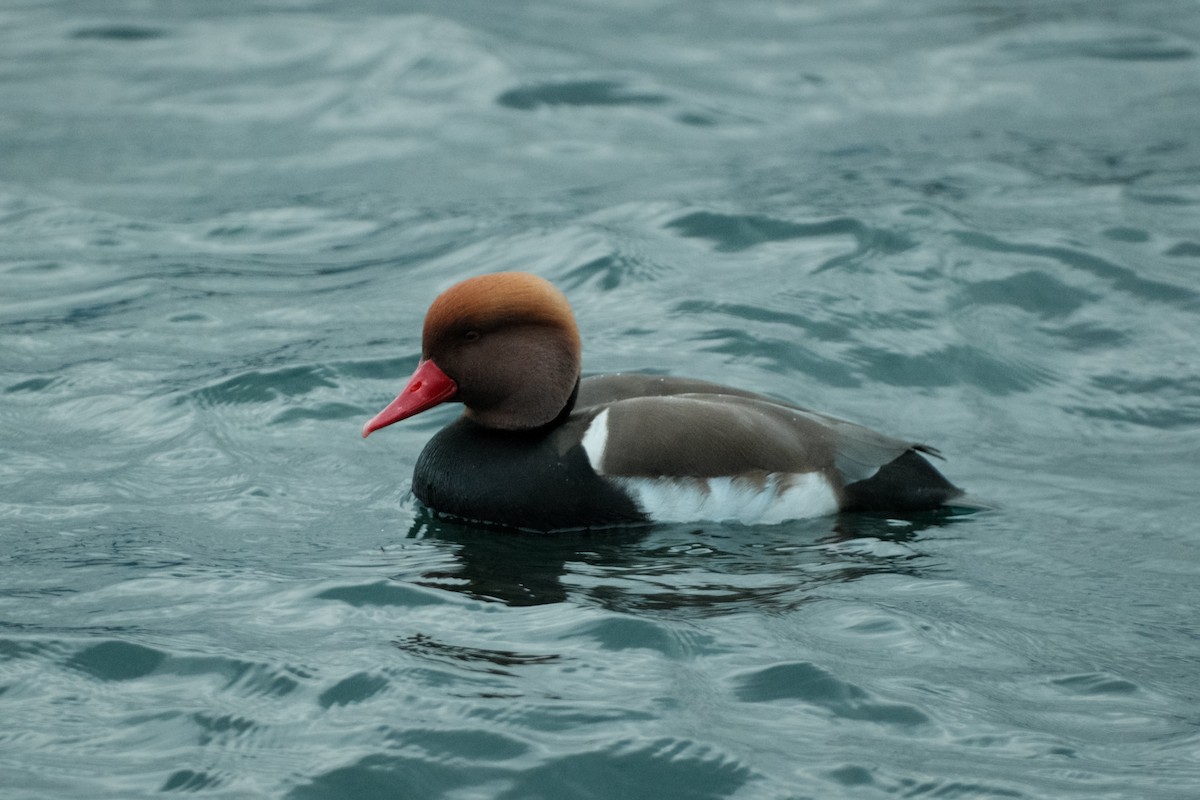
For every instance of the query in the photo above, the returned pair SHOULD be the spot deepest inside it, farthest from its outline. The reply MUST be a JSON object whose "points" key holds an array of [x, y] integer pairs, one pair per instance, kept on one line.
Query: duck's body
{"points": [[538, 448]]}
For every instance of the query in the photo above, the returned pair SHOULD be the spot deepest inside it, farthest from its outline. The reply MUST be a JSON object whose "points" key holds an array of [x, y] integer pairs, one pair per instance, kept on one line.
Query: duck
{"points": [[539, 447]]}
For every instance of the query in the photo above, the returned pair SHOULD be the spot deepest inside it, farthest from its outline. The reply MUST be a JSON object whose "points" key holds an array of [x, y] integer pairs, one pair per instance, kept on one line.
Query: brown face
{"points": [[505, 345], [491, 363]]}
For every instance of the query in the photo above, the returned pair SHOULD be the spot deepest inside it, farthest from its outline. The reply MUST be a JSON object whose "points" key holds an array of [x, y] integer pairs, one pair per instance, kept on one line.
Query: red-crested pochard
{"points": [[538, 448]]}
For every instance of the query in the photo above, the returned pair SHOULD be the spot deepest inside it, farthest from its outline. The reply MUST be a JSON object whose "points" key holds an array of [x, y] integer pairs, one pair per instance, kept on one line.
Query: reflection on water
{"points": [[711, 568], [478, 659]]}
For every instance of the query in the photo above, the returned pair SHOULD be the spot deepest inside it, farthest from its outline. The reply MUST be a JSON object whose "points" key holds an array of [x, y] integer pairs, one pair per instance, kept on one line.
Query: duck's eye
{"points": [[471, 336]]}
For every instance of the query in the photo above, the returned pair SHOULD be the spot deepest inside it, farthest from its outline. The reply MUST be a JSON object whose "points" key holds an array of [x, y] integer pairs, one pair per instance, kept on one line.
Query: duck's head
{"points": [[504, 345]]}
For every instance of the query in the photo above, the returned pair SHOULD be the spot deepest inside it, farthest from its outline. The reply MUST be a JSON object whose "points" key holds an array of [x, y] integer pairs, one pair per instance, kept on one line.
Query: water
{"points": [[972, 224]]}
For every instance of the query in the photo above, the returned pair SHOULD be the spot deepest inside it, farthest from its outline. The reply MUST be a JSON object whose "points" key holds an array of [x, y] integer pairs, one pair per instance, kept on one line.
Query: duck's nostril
{"points": [[416, 387]]}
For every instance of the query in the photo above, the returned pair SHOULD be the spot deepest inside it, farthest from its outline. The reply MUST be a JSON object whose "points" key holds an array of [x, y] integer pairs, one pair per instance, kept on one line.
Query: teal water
{"points": [[973, 224]]}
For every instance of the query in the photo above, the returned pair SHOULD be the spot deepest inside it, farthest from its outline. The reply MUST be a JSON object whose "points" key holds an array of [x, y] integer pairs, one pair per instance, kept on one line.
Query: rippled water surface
{"points": [[973, 224]]}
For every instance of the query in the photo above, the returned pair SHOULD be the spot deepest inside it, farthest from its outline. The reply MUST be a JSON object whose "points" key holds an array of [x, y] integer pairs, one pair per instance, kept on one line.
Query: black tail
{"points": [[909, 483]]}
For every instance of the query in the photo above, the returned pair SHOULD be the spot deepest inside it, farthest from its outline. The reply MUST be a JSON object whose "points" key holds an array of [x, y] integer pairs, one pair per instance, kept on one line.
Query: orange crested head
{"points": [[486, 303], [504, 345]]}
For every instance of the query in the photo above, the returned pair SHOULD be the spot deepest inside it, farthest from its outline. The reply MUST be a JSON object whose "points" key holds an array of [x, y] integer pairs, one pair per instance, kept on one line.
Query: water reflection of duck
{"points": [[666, 567], [538, 448]]}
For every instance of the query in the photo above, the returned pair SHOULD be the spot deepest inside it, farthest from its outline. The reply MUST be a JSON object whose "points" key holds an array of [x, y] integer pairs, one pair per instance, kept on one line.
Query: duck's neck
{"points": [[528, 415]]}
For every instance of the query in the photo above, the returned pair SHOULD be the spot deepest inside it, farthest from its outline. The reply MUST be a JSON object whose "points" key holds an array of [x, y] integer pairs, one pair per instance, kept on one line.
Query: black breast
{"points": [[538, 480]]}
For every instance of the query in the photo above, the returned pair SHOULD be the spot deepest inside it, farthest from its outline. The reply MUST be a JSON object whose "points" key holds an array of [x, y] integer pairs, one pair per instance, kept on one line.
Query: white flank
{"points": [[595, 439], [784, 496]]}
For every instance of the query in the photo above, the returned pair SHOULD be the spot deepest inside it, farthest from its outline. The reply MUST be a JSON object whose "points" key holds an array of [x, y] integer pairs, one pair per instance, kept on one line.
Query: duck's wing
{"points": [[705, 435], [860, 452], [732, 425], [598, 390]]}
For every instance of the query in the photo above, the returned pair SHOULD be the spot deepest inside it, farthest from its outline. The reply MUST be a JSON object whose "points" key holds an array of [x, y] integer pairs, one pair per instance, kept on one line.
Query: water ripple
{"points": [[1122, 278], [732, 233], [576, 93]]}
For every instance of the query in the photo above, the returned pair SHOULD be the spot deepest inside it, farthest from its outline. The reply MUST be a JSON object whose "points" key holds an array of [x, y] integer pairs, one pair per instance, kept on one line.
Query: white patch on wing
{"points": [[783, 496], [595, 439]]}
